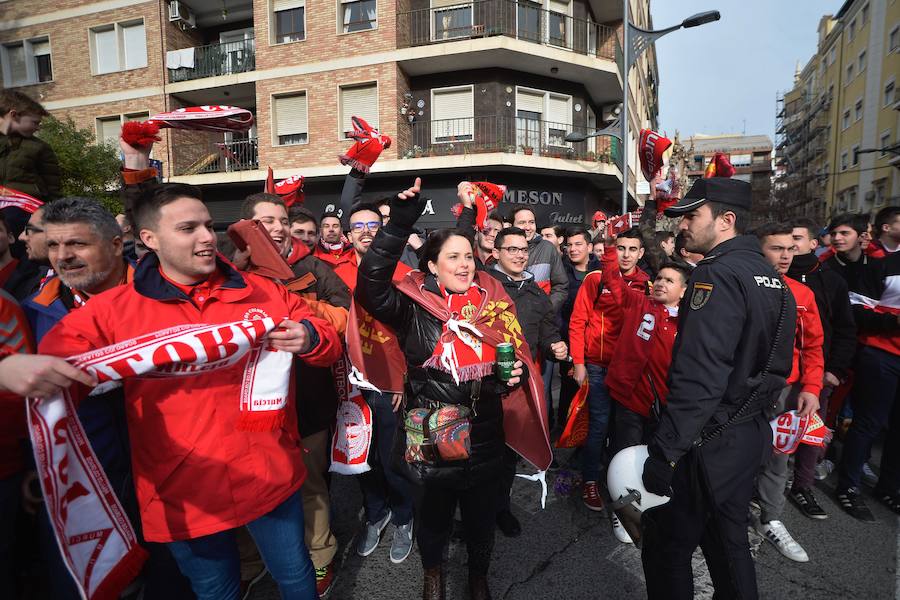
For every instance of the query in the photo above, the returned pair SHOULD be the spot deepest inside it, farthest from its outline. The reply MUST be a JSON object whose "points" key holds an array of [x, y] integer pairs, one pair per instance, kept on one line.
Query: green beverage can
{"points": [[506, 357]]}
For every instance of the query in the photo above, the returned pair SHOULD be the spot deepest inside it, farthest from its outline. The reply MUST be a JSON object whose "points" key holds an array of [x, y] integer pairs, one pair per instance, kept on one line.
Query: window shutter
{"points": [[444, 3], [137, 117], [279, 5], [530, 102], [558, 110], [361, 101], [135, 43], [108, 130], [454, 111], [558, 6], [18, 72], [290, 115], [106, 49], [41, 48]]}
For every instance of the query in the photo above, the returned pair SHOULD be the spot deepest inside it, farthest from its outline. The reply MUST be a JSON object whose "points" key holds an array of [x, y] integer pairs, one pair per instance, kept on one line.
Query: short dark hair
{"points": [[516, 210], [248, 206], [495, 215], [544, 226], [329, 213], [576, 231], [361, 206], [741, 215], [632, 234], [145, 212], [683, 268], [504, 233], [300, 214], [385, 201], [598, 239], [661, 236], [884, 217], [76, 209], [433, 244], [808, 224], [764, 231], [21, 103], [859, 223], [680, 244]]}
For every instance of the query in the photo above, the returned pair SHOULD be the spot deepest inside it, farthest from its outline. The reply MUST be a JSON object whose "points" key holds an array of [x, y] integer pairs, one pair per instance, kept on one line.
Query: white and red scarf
{"points": [[460, 351], [205, 118], [10, 197], [97, 543]]}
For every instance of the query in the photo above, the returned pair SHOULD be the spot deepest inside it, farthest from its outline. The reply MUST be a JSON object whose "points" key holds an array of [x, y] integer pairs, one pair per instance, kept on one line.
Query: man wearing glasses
{"points": [[27, 277]]}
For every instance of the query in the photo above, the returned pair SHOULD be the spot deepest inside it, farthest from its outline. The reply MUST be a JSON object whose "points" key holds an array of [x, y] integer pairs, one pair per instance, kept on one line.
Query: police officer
{"points": [[731, 357]]}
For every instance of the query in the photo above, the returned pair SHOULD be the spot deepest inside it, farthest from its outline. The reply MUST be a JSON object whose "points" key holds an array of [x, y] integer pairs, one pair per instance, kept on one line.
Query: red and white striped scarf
{"points": [[206, 118], [98, 543]]}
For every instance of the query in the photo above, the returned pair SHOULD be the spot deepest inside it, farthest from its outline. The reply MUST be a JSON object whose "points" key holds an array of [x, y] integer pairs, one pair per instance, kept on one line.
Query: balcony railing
{"points": [[214, 60], [500, 133], [523, 20], [215, 157]]}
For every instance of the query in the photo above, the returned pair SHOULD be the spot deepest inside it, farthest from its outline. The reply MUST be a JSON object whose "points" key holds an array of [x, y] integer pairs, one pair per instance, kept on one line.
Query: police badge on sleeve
{"points": [[701, 294]]}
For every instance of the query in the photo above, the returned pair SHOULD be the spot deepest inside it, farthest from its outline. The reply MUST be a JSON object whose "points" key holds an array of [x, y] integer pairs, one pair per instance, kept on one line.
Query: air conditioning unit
{"points": [[179, 12]]}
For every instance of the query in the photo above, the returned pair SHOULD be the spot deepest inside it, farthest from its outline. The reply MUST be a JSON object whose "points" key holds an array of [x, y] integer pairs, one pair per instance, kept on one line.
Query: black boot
{"points": [[478, 587], [434, 584], [508, 523]]}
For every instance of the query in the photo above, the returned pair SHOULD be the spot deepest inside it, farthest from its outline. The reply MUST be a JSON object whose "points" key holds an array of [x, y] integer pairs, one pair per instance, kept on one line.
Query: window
{"points": [[108, 128], [862, 61], [849, 73], [844, 160], [358, 101], [450, 19], [894, 39], [864, 15], [851, 199], [290, 20], [845, 120], [26, 62], [852, 29], [291, 119], [118, 47], [357, 15], [880, 188], [559, 119], [559, 22], [740, 160], [883, 142], [452, 114], [858, 110], [854, 151], [888, 93], [832, 54], [542, 119]]}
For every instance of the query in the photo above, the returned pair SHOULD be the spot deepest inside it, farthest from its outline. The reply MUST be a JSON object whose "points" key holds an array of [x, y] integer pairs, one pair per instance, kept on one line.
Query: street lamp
{"points": [[636, 41]]}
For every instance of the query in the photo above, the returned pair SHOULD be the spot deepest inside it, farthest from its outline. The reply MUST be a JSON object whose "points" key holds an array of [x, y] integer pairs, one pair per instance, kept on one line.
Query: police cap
{"points": [[722, 190]]}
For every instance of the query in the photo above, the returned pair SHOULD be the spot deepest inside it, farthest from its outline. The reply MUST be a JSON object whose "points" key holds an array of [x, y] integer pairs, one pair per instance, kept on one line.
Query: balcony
{"points": [[215, 157], [500, 133], [520, 20], [212, 60]]}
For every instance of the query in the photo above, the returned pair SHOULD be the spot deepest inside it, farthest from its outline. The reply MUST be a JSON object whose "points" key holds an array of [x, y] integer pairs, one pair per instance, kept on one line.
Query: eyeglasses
{"points": [[515, 250], [371, 226]]}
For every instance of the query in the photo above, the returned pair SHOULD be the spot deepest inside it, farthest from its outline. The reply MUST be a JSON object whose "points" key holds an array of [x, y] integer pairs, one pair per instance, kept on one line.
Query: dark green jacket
{"points": [[29, 165]]}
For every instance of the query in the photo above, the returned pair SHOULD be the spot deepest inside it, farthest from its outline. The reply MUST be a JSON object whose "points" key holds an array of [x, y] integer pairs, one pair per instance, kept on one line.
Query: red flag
{"points": [[290, 190], [719, 166]]}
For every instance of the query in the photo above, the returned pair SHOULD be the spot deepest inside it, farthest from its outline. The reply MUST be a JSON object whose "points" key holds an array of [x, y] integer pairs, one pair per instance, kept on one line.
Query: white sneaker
{"points": [[868, 475], [619, 531], [824, 469], [778, 535]]}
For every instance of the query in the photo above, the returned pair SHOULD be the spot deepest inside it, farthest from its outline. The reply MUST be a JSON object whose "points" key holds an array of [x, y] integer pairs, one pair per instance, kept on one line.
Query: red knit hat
{"points": [[719, 166], [369, 144], [487, 197], [651, 147]]}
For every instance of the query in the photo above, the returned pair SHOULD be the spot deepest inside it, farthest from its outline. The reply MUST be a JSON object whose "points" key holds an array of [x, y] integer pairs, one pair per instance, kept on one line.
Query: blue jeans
{"points": [[383, 488], [599, 407], [547, 374], [876, 406], [213, 566]]}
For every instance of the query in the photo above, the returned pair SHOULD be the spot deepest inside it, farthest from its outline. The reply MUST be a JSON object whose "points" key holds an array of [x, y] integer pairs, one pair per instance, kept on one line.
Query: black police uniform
{"points": [[727, 328]]}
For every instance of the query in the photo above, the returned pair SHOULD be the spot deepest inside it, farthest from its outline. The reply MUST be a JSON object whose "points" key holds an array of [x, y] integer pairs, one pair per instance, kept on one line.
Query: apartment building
{"points": [[485, 89], [838, 127]]}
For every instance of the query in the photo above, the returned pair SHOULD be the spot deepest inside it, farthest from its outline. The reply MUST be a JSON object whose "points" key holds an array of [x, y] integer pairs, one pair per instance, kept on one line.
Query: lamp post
{"points": [[636, 41]]}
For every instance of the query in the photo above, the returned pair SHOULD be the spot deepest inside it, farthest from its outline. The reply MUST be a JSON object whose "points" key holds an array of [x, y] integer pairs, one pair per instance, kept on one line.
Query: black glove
{"points": [[657, 476], [405, 213]]}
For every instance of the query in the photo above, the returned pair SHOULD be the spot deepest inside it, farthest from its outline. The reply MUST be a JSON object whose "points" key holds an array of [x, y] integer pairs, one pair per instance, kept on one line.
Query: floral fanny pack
{"points": [[441, 433]]}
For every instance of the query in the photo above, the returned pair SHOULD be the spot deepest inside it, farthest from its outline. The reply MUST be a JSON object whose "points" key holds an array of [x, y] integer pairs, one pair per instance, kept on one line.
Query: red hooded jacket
{"points": [[597, 319], [195, 473], [15, 337], [644, 349], [809, 361]]}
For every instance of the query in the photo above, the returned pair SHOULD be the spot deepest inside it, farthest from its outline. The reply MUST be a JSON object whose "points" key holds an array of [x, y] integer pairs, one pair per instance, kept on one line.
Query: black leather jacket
{"points": [[418, 333]]}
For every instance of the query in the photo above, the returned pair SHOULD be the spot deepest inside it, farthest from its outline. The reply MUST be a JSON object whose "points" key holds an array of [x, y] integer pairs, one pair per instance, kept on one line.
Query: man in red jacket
{"points": [[638, 371], [802, 392], [593, 332], [198, 474]]}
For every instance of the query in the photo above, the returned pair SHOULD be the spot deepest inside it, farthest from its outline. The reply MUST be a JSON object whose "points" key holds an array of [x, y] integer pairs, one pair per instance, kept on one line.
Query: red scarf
{"points": [[367, 148], [205, 118], [459, 350]]}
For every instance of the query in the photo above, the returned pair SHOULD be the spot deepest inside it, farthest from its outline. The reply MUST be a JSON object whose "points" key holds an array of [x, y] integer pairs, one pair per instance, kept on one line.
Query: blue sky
{"points": [[714, 77]]}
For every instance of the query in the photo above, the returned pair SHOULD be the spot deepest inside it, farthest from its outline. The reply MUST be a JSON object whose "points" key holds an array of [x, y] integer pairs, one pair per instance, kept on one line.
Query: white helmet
{"points": [[623, 479]]}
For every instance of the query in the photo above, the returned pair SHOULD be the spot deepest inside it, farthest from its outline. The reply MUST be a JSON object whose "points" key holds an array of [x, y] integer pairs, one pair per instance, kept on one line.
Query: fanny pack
{"points": [[441, 432]]}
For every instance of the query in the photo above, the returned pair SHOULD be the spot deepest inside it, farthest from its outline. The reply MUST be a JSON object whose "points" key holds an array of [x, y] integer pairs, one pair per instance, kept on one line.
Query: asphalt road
{"points": [[568, 552]]}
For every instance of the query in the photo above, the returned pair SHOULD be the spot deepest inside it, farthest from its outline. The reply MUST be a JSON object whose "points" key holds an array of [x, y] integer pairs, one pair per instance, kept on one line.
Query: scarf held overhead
{"points": [[97, 543]]}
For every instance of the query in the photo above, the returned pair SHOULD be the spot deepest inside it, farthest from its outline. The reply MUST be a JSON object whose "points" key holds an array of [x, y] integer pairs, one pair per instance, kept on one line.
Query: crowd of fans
{"points": [[213, 504]]}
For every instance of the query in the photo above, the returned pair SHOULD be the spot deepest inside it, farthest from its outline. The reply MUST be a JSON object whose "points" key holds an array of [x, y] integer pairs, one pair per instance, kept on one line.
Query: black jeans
{"points": [[629, 428], [709, 508], [479, 509], [875, 408], [507, 476]]}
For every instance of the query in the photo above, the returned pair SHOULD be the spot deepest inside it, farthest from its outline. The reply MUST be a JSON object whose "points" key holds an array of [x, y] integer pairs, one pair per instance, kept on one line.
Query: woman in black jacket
{"points": [[449, 267]]}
